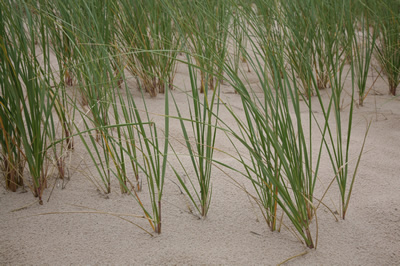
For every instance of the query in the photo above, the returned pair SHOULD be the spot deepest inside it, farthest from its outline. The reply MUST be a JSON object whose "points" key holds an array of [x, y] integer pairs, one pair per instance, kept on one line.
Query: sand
{"points": [[64, 230]]}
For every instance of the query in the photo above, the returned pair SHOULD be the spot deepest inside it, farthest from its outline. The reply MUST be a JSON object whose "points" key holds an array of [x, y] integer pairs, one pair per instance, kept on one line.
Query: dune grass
{"points": [[27, 98], [203, 25], [202, 111], [388, 50], [147, 36], [302, 52]]}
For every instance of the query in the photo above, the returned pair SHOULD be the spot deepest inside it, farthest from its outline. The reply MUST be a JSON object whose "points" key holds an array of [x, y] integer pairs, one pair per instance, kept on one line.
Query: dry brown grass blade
{"points": [[326, 206], [298, 255], [147, 216], [333, 180], [25, 207], [118, 215], [90, 212], [80, 206], [373, 83]]}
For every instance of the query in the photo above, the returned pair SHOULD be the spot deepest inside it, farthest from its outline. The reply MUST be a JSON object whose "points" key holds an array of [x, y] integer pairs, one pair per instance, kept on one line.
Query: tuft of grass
{"points": [[203, 123], [28, 101], [154, 161], [363, 45], [12, 160], [388, 49], [203, 26], [147, 37]]}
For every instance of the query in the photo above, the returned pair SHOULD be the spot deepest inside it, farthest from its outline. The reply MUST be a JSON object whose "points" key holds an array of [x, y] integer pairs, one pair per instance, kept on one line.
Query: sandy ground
{"points": [[62, 231]]}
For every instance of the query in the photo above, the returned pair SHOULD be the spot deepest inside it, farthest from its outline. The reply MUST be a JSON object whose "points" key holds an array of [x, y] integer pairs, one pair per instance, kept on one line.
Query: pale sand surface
{"points": [[233, 233]]}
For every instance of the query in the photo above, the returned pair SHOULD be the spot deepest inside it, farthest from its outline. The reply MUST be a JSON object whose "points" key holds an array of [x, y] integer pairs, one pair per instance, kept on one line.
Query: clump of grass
{"points": [[12, 160], [203, 25], [298, 24], [337, 137], [59, 20], [148, 38], [239, 42], [203, 122], [28, 101], [91, 27], [10, 139], [363, 45], [281, 165], [154, 159], [388, 49]]}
